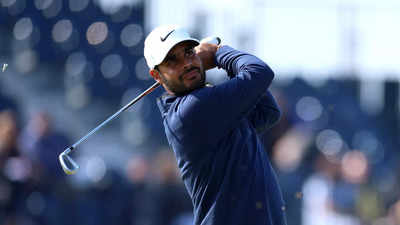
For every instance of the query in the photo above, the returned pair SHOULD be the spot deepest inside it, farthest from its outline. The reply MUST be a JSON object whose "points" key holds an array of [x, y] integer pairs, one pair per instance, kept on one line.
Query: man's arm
{"points": [[213, 112], [265, 114]]}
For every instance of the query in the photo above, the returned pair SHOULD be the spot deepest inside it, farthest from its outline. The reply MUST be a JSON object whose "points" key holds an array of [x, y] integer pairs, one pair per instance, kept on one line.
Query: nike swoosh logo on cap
{"points": [[166, 36]]}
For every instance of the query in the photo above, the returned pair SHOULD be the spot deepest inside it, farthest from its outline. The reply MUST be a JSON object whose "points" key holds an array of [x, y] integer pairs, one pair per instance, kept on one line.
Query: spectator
{"points": [[317, 193], [14, 170], [43, 144], [172, 203], [141, 192]]}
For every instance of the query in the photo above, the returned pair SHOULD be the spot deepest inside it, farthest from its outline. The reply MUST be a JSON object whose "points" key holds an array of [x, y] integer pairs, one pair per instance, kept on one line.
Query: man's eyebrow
{"points": [[189, 47]]}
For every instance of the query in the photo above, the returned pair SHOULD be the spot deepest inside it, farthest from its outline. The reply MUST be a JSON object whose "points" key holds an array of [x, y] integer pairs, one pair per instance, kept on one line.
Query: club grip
{"points": [[211, 40]]}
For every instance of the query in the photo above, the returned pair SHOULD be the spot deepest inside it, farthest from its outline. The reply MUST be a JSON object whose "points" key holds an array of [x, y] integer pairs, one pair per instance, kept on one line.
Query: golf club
{"points": [[68, 164]]}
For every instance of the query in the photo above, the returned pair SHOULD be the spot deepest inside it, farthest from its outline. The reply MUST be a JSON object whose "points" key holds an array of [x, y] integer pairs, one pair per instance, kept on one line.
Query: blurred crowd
{"points": [[337, 161], [34, 189], [333, 169]]}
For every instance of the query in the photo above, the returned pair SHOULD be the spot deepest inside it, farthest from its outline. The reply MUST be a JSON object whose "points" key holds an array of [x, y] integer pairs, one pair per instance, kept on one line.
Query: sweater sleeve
{"points": [[265, 114]]}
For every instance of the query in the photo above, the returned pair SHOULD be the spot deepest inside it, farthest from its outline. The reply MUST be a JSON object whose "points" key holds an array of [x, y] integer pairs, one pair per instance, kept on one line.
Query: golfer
{"points": [[215, 131]]}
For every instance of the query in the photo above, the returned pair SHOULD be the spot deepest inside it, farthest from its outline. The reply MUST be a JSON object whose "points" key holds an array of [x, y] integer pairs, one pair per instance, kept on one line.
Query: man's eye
{"points": [[190, 51], [170, 60]]}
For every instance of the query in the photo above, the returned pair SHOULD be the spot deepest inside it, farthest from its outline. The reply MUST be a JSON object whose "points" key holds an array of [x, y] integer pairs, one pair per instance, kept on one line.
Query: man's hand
{"points": [[206, 52]]}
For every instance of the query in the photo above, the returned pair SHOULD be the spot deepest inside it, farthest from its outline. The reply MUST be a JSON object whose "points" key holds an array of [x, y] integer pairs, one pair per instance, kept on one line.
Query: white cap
{"points": [[161, 40]]}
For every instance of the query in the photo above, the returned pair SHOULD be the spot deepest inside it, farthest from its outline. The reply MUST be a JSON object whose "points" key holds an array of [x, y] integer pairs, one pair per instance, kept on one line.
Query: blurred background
{"points": [[66, 65]]}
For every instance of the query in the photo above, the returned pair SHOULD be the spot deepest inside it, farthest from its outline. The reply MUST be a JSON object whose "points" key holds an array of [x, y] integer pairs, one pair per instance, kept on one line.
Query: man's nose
{"points": [[187, 62]]}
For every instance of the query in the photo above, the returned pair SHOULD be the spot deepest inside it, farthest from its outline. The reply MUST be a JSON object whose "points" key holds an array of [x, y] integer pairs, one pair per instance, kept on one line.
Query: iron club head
{"points": [[67, 163]]}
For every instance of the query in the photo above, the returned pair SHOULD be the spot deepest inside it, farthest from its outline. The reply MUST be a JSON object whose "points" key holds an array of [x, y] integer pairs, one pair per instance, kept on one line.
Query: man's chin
{"points": [[197, 84], [191, 87]]}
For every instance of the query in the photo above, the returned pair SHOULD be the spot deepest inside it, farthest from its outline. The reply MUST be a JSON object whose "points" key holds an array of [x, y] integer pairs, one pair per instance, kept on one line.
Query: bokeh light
{"points": [[75, 64], [36, 203], [77, 96], [26, 61], [309, 108], [43, 4], [135, 132], [354, 166], [95, 169], [137, 169], [111, 65], [53, 10], [97, 33], [84, 72], [77, 6], [23, 28], [131, 35], [141, 70], [288, 152], [62, 30], [26, 34], [17, 169], [329, 142]]}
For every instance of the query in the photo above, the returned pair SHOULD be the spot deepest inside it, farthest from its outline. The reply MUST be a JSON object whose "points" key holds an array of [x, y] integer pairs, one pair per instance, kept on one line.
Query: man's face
{"points": [[181, 71]]}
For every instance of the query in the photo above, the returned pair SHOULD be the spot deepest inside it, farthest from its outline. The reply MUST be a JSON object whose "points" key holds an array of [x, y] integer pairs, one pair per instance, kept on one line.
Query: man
{"points": [[214, 131]]}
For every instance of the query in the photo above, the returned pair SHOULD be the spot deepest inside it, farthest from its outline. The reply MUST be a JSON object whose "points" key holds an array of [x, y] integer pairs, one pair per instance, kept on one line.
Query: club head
{"points": [[67, 163]]}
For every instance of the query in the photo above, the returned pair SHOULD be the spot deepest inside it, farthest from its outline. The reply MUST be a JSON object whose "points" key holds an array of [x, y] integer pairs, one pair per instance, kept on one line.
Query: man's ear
{"points": [[155, 74]]}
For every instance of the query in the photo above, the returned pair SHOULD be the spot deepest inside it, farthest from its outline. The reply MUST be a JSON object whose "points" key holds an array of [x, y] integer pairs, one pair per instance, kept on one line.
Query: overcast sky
{"points": [[312, 37]]}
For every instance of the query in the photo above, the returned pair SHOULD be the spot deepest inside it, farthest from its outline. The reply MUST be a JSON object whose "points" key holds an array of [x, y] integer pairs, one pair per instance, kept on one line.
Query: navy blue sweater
{"points": [[214, 132]]}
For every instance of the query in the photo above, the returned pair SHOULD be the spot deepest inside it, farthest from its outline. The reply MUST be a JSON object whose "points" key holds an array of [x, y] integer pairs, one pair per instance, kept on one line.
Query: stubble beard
{"points": [[179, 89]]}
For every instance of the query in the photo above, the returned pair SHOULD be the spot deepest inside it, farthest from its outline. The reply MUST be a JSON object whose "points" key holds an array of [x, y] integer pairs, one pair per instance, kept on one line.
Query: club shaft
{"points": [[146, 92]]}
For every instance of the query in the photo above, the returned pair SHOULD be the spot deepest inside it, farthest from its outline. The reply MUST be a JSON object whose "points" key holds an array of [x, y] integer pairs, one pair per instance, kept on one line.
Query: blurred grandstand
{"points": [[73, 63]]}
